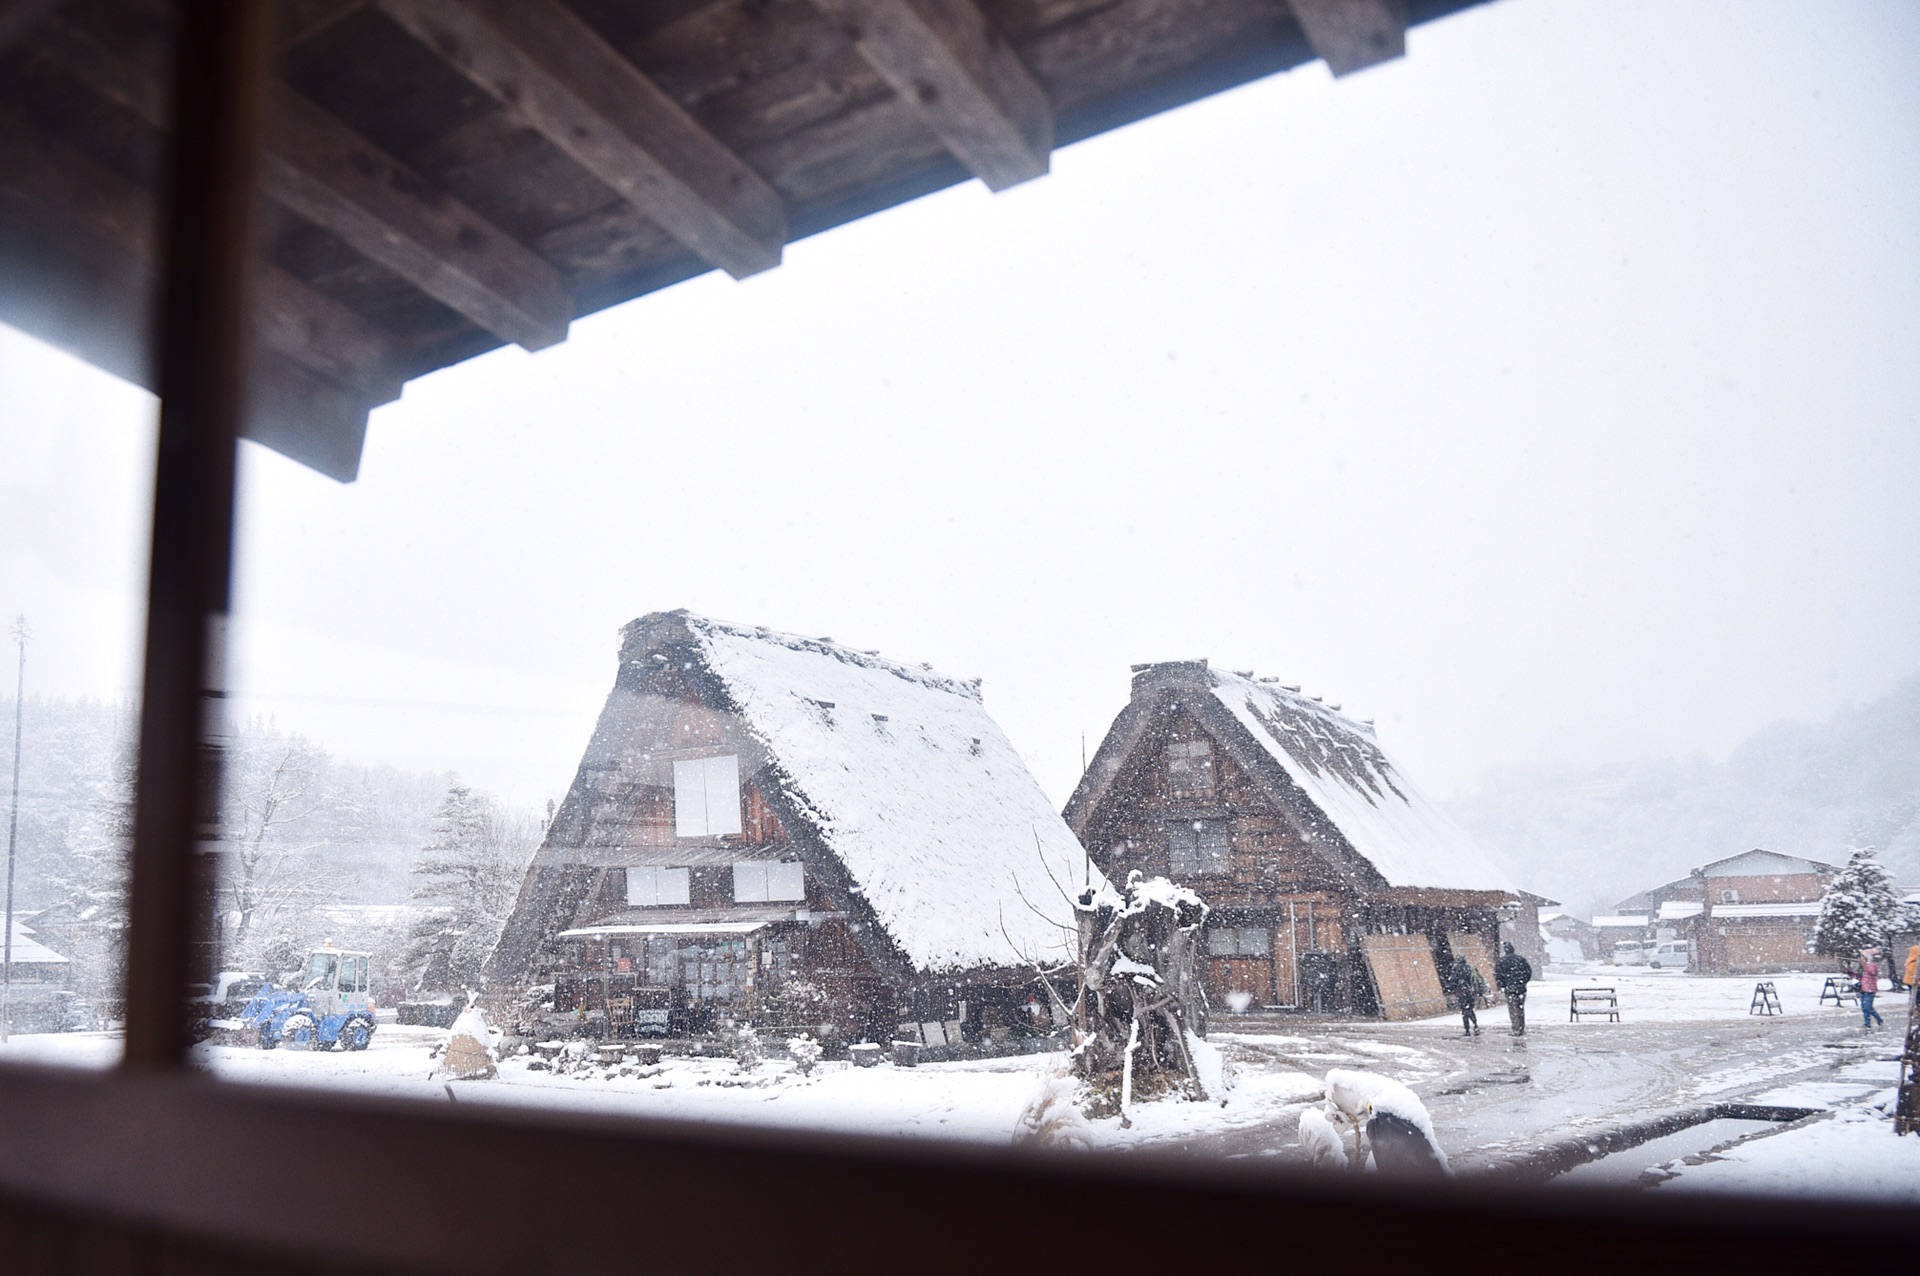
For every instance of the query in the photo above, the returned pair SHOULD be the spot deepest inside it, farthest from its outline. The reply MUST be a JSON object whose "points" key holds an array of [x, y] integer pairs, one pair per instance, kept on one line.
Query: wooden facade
{"points": [[1749, 914], [641, 918], [1301, 920]]}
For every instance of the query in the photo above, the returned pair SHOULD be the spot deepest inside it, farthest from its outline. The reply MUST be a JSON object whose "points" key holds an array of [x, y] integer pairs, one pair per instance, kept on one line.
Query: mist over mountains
{"points": [[1592, 838]]}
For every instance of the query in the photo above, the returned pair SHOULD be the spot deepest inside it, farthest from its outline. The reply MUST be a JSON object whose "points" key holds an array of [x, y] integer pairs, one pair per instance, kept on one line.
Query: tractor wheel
{"points": [[356, 1035], [300, 1032], [267, 1038]]}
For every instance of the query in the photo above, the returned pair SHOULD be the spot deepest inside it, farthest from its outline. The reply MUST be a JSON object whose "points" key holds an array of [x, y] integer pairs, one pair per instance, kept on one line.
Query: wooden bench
{"points": [[1594, 1001], [1766, 999]]}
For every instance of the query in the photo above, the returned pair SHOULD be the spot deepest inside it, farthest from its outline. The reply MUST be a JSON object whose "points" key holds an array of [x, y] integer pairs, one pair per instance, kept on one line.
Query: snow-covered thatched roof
{"points": [[1341, 768], [1306, 753], [890, 782], [908, 780]]}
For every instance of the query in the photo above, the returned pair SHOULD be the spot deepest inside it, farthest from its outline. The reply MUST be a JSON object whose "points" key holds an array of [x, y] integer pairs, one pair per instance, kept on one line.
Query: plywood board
{"points": [[1403, 971], [1478, 950]]}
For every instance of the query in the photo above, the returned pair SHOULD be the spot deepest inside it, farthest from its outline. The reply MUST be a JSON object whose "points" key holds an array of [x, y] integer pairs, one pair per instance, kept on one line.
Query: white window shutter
{"points": [[786, 882], [675, 886], [640, 887], [723, 795], [749, 883], [690, 798]]}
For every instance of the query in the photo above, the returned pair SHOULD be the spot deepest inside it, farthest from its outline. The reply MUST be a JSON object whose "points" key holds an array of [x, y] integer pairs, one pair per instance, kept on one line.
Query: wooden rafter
{"points": [[967, 83], [1352, 35], [339, 181], [307, 327], [558, 76]]}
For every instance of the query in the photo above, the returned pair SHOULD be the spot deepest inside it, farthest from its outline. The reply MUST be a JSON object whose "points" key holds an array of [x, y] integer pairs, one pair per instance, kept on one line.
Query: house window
{"points": [[763, 883], [1240, 941], [1190, 766], [1196, 847], [648, 887], [706, 796]]}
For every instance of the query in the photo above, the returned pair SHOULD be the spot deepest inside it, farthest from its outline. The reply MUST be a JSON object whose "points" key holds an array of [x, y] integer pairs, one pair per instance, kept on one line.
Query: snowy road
{"points": [[1683, 1043]]}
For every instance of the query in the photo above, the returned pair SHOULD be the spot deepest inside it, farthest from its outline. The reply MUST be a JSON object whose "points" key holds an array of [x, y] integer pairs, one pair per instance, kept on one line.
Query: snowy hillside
{"points": [[1592, 838]]}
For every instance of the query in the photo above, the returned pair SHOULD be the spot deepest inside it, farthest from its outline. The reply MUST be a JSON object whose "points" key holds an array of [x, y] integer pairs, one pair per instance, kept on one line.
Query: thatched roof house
{"points": [[757, 812], [1335, 883]]}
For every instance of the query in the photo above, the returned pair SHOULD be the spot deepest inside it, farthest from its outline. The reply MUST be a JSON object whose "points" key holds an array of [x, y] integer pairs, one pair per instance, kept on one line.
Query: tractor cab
{"points": [[335, 982]]}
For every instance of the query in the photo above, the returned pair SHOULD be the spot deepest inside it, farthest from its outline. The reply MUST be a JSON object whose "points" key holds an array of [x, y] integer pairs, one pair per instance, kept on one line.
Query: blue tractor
{"points": [[331, 1006]]}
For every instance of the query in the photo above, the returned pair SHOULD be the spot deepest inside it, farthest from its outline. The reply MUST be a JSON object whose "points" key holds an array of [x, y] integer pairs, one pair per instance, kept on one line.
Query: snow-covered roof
{"points": [[1786, 908], [665, 928], [1759, 863], [912, 785], [1343, 771], [1620, 920], [28, 951], [1676, 910]]}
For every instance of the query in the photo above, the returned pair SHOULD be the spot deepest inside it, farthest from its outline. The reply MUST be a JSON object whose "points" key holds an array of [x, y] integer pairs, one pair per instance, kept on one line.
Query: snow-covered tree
{"points": [[1860, 910], [464, 884], [270, 880]]}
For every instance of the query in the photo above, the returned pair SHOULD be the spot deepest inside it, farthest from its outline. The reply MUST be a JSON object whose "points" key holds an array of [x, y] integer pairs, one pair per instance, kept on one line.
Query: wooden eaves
{"points": [[150, 1168], [446, 176]]}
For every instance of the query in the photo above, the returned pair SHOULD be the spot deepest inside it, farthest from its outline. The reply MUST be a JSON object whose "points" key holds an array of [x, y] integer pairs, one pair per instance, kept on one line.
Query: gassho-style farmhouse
{"points": [[781, 830]]}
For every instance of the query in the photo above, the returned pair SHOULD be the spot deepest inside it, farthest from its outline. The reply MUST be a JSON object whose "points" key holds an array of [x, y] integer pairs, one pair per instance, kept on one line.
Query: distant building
{"points": [[774, 829], [1334, 884], [1520, 926], [1568, 938], [1751, 913]]}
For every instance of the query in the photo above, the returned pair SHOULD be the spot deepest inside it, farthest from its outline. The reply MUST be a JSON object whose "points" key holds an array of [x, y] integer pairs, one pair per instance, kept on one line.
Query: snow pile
{"points": [[1321, 1141], [1052, 1118], [469, 1054], [1209, 1066], [1342, 770], [913, 786]]}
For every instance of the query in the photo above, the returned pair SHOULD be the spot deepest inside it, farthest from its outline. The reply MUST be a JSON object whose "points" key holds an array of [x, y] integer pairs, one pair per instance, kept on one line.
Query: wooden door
{"points": [[1403, 971]]}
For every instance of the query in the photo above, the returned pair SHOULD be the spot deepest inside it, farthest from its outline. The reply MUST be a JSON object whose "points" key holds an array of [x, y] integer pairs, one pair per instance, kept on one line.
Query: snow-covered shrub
{"points": [[747, 1050], [805, 1053], [1398, 1128]]}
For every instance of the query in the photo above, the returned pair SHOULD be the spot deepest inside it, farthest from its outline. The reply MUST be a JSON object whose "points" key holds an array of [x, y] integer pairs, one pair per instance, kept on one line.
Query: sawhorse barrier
{"points": [[1840, 990], [1594, 1001], [1766, 999]]}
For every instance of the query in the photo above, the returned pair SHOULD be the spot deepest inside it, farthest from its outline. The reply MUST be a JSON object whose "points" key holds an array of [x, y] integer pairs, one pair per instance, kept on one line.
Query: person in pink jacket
{"points": [[1869, 986]]}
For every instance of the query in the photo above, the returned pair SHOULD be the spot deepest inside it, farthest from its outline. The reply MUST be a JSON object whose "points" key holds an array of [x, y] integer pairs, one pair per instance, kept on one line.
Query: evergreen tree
{"points": [[1860, 909], [464, 885]]}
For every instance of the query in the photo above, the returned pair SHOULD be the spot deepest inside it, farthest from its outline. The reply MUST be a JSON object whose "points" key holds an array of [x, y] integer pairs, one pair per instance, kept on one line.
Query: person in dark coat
{"points": [[1513, 972], [1467, 987]]}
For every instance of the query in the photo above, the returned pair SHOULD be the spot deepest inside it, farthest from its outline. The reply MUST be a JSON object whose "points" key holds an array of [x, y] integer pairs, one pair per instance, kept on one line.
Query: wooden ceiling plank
{"points": [[339, 181], [1352, 35], [307, 327], [560, 78], [967, 82]]}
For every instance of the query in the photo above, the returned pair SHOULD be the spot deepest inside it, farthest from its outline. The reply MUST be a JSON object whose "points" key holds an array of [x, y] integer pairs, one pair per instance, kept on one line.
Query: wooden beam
{"points": [[968, 84], [306, 326], [342, 183], [556, 75], [222, 70], [77, 268], [1352, 35]]}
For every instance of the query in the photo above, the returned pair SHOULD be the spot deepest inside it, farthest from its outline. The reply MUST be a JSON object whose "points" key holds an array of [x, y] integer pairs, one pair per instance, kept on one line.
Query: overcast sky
{"points": [[1549, 396]]}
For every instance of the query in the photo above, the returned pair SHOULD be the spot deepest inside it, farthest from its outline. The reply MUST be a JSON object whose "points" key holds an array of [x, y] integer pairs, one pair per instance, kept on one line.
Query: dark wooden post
{"points": [[221, 63]]}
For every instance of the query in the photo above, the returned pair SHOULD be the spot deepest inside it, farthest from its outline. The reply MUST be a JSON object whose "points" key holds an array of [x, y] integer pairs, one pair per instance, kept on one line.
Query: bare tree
{"points": [[269, 875]]}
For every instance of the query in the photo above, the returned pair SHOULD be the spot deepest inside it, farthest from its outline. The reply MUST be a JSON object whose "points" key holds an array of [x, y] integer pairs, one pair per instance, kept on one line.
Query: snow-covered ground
{"points": [[1682, 1042]]}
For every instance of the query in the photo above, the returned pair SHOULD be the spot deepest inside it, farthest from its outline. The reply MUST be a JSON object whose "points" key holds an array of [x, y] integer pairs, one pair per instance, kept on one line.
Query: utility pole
{"points": [[13, 833]]}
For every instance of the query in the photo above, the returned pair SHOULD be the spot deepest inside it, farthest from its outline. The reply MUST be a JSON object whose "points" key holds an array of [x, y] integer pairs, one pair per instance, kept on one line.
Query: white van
{"points": [[1670, 954], [1631, 952]]}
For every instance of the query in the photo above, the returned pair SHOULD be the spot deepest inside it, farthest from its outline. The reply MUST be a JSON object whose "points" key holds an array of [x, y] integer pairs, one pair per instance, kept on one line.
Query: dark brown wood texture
{"points": [[449, 175]]}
